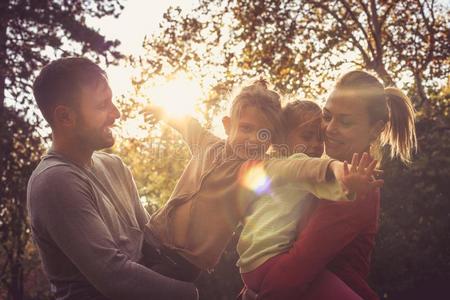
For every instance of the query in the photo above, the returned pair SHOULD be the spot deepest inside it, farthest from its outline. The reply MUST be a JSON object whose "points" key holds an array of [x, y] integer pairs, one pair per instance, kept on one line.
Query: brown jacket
{"points": [[209, 200]]}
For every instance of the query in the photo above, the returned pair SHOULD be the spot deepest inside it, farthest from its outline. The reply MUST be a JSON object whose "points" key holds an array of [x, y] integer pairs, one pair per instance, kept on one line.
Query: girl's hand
{"points": [[358, 179], [153, 112]]}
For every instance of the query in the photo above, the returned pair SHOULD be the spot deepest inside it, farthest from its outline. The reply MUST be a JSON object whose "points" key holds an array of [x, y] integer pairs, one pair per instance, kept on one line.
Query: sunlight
{"points": [[133, 128], [256, 179], [178, 96]]}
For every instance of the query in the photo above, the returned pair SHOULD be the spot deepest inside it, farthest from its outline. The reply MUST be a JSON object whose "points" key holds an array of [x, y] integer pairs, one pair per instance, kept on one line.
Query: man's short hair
{"points": [[60, 82]]}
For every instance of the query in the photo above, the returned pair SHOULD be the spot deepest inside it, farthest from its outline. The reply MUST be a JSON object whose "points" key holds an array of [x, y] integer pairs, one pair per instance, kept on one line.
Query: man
{"points": [[85, 213]]}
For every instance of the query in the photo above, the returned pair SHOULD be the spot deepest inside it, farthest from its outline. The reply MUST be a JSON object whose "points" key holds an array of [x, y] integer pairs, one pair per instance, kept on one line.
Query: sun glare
{"points": [[133, 128], [178, 96]]}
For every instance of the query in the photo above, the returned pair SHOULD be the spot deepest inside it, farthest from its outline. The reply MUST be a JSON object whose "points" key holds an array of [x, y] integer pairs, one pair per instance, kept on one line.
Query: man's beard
{"points": [[95, 138]]}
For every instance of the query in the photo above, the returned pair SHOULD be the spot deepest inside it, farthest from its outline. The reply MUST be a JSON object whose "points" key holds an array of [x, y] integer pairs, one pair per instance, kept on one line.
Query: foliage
{"points": [[300, 45], [34, 32], [20, 154], [156, 158]]}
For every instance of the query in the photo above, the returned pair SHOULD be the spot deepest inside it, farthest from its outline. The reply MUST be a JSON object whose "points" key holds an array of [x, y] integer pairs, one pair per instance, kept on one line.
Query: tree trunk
{"points": [[16, 288], [383, 74], [423, 102], [3, 37]]}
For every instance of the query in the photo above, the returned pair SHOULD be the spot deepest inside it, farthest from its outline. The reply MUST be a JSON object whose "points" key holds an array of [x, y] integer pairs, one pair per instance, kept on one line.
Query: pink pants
{"points": [[324, 287]]}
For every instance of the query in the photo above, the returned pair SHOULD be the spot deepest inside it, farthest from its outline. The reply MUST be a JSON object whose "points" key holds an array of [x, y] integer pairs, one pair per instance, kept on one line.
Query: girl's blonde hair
{"points": [[258, 95], [389, 105]]}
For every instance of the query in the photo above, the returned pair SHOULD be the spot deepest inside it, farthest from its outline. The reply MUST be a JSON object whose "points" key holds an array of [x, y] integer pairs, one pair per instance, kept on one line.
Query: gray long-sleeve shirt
{"points": [[88, 226]]}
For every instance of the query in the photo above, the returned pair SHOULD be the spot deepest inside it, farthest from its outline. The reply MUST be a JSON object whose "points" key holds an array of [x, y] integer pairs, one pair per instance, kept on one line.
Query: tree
{"points": [[301, 44], [31, 34], [156, 157], [21, 150]]}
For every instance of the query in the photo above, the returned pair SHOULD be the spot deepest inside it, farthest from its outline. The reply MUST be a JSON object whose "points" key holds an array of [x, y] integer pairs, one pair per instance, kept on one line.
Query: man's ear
{"points": [[64, 116], [376, 129], [226, 121]]}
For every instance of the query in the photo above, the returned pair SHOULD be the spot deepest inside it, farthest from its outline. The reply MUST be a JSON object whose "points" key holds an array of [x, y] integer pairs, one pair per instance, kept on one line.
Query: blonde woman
{"points": [[360, 115]]}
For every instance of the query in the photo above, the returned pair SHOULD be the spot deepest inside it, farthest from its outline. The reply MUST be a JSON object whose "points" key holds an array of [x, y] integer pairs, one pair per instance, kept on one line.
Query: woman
{"points": [[360, 115]]}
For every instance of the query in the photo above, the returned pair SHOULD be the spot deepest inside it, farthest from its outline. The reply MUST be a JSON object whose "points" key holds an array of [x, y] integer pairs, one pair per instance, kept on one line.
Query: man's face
{"points": [[96, 116], [250, 134]]}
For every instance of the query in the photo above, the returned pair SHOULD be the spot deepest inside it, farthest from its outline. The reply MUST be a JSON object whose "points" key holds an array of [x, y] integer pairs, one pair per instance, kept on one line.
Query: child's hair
{"points": [[299, 112], [389, 105], [266, 100]]}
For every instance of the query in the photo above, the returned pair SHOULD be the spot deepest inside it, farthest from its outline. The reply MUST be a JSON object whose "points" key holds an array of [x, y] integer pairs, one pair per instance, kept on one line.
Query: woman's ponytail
{"points": [[399, 131]]}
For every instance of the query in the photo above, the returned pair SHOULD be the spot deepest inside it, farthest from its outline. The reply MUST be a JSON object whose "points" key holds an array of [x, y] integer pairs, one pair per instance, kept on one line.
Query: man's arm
{"points": [[65, 209]]}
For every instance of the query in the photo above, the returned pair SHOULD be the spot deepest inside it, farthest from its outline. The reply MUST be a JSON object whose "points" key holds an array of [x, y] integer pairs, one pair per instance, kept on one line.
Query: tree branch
{"points": [[377, 33], [347, 30], [358, 23]]}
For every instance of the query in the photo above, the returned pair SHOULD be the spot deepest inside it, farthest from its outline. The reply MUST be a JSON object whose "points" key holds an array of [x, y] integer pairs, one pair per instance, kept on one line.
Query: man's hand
{"points": [[358, 178]]}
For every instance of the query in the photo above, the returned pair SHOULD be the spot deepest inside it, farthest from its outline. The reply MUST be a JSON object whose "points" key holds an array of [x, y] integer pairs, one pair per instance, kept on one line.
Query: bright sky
{"points": [[138, 19]]}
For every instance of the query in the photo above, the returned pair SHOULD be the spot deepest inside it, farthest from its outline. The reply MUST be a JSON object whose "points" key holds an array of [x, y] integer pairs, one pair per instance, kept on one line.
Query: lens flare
{"points": [[255, 178]]}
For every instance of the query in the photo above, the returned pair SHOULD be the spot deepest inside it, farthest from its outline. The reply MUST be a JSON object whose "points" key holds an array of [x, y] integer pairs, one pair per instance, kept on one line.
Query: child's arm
{"points": [[325, 178], [190, 129], [358, 180]]}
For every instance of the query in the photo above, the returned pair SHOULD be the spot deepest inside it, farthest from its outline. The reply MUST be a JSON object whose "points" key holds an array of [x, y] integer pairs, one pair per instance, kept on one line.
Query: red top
{"points": [[352, 264], [345, 231]]}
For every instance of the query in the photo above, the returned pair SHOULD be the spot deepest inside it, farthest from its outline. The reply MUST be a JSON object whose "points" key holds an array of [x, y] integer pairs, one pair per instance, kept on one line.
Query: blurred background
{"points": [[188, 56]]}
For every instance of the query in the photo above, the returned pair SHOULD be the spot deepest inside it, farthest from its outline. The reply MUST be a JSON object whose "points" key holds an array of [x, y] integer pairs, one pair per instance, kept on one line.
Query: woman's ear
{"points": [[377, 129], [226, 121]]}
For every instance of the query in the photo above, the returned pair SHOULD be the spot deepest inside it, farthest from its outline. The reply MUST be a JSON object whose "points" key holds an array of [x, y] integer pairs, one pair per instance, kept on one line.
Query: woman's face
{"points": [[346, 128]]}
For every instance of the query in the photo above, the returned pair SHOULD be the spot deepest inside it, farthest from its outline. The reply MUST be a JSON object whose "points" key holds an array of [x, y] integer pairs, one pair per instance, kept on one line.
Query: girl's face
{"points": [[346, 127], [306, 138], [250, 134]]}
